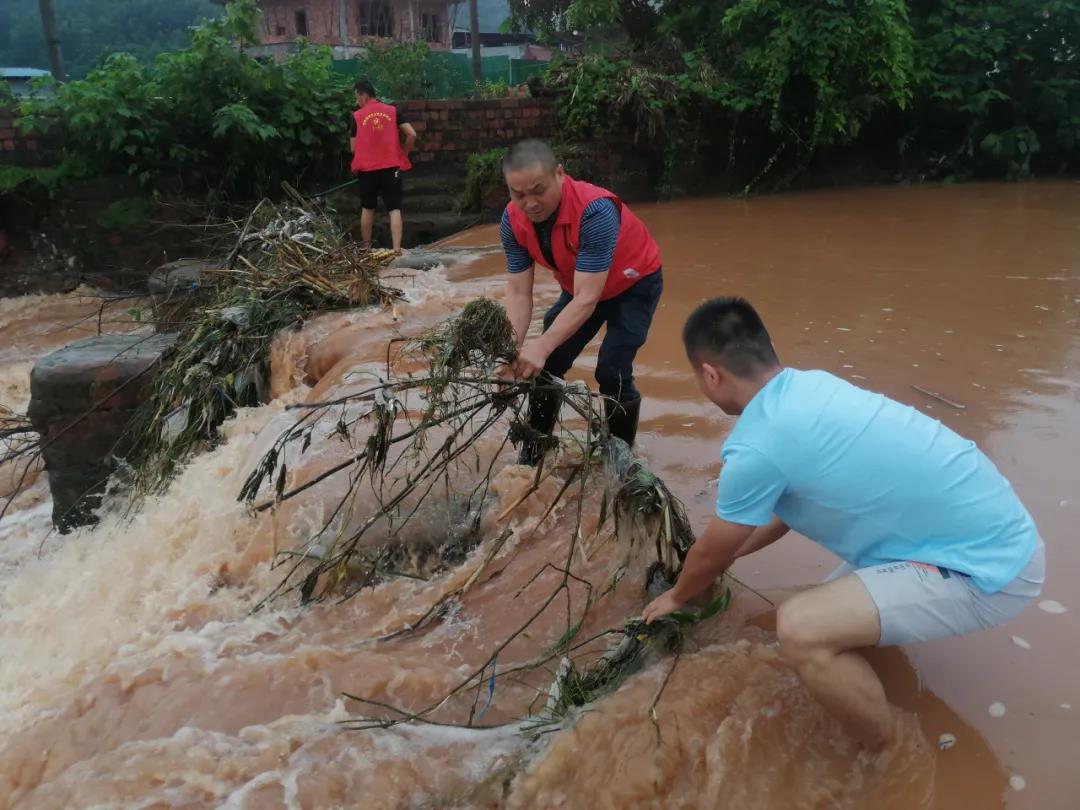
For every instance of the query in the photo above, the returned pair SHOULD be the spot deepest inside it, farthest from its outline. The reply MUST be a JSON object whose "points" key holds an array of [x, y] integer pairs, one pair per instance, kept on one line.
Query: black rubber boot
{"points": [[543, 411], [622, 418]]}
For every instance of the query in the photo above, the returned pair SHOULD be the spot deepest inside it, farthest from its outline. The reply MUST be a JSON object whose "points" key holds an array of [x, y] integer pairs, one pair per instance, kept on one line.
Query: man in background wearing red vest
{"points": [[379, 158], [608, 266]]}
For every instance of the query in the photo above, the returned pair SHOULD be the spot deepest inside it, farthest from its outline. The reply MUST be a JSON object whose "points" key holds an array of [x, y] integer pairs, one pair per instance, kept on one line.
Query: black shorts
{"points": [[385, 183]]}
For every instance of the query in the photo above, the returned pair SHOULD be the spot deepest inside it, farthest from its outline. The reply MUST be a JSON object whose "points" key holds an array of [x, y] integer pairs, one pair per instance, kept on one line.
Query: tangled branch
{"points": [[413, 438]]}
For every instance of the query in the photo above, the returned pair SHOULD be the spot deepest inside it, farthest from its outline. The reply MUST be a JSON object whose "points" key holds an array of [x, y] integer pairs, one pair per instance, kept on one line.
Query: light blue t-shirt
{"points": [[872, 480]]}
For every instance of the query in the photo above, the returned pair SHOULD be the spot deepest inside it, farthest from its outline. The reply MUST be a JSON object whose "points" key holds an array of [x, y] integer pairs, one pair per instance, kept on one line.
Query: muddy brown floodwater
{"points": [[133, 673]]}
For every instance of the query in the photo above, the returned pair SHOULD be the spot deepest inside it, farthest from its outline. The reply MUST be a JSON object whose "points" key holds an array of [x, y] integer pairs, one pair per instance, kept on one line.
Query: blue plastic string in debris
{"points": [[491, 688]]}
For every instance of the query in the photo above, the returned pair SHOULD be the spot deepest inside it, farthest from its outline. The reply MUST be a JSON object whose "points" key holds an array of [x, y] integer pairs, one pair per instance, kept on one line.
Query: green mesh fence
{"points": [[449, 75]]}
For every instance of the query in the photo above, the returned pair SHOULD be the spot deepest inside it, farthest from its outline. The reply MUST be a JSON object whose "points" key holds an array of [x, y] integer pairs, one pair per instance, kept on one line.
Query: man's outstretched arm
{"points": [[708, 558], [763, 536]]}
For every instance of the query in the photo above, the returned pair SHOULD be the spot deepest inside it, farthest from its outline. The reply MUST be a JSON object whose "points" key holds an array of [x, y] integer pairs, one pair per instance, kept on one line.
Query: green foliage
{"points": [[987, 88], [485, 188], [594, 20], [998, 87], [405, 70], [124, 213], [49, 180], [482, 177], [488, 89], [603, 96], [92, 29], [208, 116], [815, 71], [819, 70]]}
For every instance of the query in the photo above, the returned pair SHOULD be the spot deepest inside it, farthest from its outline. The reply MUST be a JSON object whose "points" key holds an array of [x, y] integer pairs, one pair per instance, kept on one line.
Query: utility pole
{"points": [[52, 39], [343, 22], [474, 39]]}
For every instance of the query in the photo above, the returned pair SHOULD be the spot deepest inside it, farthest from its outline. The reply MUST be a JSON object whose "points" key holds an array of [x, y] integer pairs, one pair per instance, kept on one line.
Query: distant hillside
{"points": [[91, 29]]}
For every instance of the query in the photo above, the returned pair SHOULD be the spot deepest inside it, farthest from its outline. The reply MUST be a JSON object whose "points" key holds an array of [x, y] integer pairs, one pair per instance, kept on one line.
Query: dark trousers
{"points": [[628, 317]]}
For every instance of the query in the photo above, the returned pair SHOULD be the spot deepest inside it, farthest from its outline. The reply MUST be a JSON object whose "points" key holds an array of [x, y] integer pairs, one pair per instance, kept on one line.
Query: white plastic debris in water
{"points": [[1017, 782], [946, 741], [1066, 706], [175, 422], [997, 710], [1063, 504], [1019, 642], [1051, 606]]}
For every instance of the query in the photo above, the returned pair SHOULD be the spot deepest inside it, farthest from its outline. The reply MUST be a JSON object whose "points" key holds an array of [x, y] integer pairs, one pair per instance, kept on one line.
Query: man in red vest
{"points": [[608, 266], [379, 158]]}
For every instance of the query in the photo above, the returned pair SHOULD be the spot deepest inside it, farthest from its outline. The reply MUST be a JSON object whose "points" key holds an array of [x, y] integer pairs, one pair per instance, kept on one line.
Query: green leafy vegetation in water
{"points": [[288, 265]]}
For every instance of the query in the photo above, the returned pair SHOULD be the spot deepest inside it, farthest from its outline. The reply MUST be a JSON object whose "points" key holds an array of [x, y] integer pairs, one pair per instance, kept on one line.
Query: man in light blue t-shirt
{"points": [[934, 540]]}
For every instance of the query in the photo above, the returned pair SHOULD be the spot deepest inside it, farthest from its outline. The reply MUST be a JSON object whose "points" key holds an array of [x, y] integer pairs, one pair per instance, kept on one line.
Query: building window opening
{"points": [[429, 25], [376, 19]]}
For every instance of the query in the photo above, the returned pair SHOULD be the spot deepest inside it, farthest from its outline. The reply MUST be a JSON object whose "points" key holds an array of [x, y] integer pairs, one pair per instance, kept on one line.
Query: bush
{"points": [[48, 180], [209, 118], [484, 191], [997, 88], [406, 70], [483, 178], [944, 88]]}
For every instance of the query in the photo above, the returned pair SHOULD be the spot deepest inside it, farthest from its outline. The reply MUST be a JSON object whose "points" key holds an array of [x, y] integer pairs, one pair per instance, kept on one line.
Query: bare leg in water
{"points": [[819, 631], [396, 227]]}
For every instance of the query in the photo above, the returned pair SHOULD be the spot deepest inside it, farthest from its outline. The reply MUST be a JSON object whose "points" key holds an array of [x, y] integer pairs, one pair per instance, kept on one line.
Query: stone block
{"points": [[73, 440], [76, 495], [82, 398], [100, 373]]}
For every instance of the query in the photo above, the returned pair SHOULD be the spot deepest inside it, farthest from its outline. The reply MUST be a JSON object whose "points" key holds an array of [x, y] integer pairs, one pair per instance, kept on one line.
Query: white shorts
{"points": [[920, 602]]}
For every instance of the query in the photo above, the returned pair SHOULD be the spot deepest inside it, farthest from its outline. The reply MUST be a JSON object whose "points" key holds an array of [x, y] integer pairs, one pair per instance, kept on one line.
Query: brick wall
{"points": [[16, 148], [449, 131]]}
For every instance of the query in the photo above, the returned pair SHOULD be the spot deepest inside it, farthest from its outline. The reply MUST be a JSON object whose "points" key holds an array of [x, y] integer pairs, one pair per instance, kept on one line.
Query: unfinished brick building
{"points": [[348, 25]]}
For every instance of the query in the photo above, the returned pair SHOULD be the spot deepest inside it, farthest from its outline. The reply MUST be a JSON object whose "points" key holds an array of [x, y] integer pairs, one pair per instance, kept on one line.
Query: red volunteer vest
{"points": [[378, 145], [636, 253]]}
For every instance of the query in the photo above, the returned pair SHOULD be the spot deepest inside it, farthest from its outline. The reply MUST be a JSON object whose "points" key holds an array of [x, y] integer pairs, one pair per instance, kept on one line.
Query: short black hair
{"points": [[365, 87], [528, 153], [729, 331]]}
